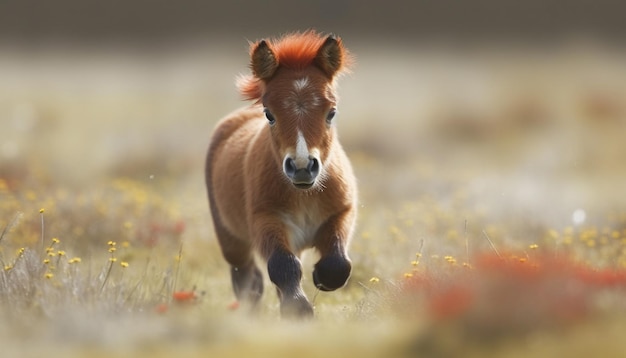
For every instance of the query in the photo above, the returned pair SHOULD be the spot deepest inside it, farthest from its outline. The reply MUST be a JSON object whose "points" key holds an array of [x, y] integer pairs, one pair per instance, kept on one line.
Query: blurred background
{"points": [[518, 108]]}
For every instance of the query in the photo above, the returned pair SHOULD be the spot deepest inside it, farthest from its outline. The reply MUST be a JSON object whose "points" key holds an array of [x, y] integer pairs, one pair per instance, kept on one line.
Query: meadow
{"points": [[492, 219]]}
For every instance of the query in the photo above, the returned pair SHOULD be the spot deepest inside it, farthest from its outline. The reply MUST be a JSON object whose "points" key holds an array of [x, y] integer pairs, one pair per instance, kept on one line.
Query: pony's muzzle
{"points": [[302, 177]]}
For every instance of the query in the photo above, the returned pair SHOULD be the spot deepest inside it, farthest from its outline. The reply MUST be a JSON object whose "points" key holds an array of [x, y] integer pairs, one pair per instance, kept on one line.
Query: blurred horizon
{"points": [[154, 23]]}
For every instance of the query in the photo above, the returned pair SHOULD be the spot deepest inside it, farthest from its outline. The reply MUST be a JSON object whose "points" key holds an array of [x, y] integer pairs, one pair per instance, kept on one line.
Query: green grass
{"points": [[444, 185]]}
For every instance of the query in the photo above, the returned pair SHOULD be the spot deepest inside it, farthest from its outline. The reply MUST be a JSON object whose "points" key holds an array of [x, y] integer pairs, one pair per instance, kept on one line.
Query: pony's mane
{"points": [[294, 51]]}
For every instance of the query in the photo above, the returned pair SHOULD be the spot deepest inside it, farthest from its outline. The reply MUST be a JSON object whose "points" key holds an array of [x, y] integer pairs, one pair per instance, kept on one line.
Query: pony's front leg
{"points": [[285, 271], [283, 266], [334, 267]]}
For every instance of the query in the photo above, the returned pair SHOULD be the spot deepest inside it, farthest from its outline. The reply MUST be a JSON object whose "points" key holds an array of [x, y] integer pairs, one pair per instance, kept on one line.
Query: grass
{"points": [[486, 229]]}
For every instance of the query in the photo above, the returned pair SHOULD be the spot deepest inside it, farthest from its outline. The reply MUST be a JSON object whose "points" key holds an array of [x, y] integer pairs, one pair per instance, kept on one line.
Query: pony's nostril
{"points": [[313, 167], [290, 167]]}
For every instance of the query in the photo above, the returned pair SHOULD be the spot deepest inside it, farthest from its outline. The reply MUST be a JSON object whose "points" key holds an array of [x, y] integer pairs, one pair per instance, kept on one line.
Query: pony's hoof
{"points": [[331, 272]]}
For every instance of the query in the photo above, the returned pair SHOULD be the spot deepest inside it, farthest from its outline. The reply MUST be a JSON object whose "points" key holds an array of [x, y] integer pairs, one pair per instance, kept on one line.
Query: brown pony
{"points": [[277, 178]]}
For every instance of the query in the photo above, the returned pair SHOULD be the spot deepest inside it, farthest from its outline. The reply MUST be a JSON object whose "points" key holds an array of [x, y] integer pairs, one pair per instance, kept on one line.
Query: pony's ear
{"points": [[330, 56], [264, 63]]}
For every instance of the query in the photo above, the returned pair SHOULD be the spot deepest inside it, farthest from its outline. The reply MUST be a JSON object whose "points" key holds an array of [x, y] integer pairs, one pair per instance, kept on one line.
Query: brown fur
{"points": [[253, 203]]}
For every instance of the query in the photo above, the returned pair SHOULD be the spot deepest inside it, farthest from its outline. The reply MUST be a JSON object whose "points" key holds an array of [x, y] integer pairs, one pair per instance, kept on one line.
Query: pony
{"points": [[277, 178]]}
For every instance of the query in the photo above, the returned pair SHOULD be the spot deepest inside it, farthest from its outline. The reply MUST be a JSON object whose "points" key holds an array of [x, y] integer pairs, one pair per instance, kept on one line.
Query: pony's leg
{"points": [[285, 272], [247, 283], [334, 267], [246, 278]]}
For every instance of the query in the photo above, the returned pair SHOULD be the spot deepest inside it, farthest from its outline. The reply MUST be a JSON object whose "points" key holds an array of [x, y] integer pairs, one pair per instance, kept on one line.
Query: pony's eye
{"points": [[269, 116], [331, 114]]}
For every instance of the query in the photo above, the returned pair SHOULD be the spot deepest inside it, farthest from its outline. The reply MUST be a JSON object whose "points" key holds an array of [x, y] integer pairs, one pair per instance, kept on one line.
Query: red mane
{"points": [[295, 51]]}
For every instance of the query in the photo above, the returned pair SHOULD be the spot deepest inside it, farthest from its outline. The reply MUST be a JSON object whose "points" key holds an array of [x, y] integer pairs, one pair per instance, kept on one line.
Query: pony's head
{"points": [[294, 79]]}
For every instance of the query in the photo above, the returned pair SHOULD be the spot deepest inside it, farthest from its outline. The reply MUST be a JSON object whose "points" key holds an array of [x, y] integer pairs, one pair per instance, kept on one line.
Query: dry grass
{"points": [[458, 155]]}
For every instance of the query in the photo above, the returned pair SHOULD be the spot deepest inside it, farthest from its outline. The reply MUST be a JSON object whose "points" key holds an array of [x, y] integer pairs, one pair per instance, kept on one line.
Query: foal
{"points": [[278, 180]]}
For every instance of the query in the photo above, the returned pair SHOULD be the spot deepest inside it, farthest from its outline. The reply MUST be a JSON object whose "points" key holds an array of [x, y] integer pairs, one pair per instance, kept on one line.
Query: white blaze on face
{"points": [[302, 151], [298, 103]]}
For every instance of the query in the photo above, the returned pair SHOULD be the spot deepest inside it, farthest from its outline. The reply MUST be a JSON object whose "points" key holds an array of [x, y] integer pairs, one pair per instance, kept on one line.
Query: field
{"points": [[492, 216]]}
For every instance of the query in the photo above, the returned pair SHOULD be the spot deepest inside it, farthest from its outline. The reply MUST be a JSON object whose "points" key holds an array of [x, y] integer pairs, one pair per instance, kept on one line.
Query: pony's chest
{"points": [[302, 225]]}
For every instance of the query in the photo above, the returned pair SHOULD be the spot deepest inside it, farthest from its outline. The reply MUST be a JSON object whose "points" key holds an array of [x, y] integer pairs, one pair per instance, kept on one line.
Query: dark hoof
{"points": [[331, 272]]}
